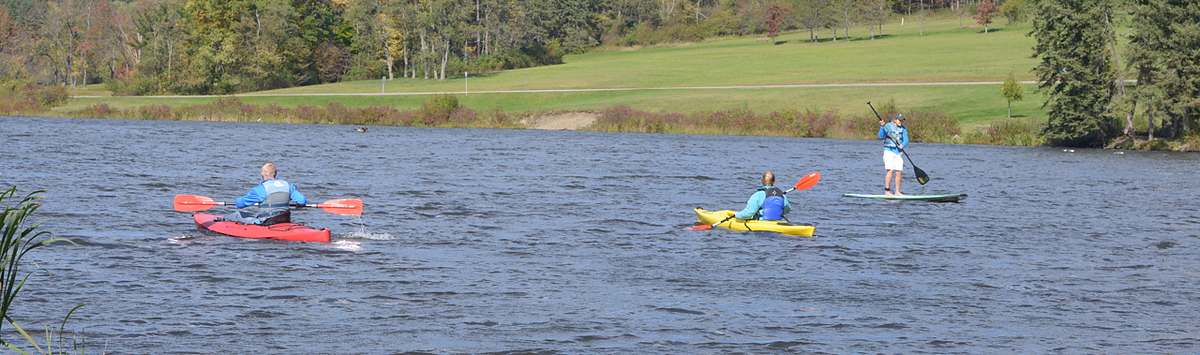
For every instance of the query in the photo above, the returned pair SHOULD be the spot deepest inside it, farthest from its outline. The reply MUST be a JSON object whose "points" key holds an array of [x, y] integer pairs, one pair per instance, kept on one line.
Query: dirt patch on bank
{"points": [[562, 121]]}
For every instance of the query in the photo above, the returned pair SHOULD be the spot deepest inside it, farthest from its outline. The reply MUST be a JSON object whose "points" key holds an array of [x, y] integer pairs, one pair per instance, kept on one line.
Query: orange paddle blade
{"points": [[808, 181], [343, 206], [192, 203], [700, 228]]}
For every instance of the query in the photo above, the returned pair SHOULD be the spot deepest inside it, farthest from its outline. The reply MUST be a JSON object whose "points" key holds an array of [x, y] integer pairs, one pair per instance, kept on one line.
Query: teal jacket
{"points": [[755, 204]]}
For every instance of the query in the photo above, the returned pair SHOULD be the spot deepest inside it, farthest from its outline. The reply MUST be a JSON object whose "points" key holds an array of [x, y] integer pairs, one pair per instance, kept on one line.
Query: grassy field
{"points": [[661, 78]]}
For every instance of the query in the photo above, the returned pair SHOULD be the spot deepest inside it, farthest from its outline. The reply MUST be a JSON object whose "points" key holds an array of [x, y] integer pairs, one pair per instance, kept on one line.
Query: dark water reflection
{"points": [[551, 242]]}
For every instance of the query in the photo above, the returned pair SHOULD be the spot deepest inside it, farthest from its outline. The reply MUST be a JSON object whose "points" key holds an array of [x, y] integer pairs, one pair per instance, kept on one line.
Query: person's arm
{"points": [[787, 206], [256, 195], [752, 206], [297, 197], [904, 138], [883, 131]]}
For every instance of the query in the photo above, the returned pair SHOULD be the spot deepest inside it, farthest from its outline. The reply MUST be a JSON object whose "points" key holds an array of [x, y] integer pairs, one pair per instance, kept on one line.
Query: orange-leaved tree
{"points": [[986, 11], [777, 17]]}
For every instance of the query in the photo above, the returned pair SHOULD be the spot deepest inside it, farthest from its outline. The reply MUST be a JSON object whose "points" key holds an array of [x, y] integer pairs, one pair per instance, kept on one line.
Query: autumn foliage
{"points": [[986, 11]]}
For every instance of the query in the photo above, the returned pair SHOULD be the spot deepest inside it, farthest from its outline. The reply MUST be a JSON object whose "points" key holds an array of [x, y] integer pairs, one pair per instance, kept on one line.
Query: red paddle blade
{"points": [[343, 206], [700, 228], [192, 203], [808, 181]]}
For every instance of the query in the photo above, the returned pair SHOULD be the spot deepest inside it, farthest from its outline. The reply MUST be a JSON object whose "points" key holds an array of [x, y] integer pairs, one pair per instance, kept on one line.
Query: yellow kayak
{"points": [[711, 217]]}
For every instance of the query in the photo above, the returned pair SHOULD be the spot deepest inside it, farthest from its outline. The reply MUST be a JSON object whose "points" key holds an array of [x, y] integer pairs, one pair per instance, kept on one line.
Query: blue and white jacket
{"points": [[266, 188]]}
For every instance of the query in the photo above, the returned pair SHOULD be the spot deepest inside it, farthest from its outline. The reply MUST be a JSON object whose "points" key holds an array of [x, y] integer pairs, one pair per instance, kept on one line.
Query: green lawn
{"points": [[945, 53]]}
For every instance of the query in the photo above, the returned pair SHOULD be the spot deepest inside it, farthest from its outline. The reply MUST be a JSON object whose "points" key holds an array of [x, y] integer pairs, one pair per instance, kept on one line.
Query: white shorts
{"points": [[893, 161]]}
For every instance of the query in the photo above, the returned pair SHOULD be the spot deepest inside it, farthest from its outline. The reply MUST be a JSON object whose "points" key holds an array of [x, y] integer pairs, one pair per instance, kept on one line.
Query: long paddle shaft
{"points": [[922, 177], [805, 183], [342, 206]]}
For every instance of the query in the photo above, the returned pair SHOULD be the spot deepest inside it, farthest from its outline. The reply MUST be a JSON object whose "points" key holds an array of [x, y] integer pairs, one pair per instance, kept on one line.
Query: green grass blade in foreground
{"points": [[16, 240]]}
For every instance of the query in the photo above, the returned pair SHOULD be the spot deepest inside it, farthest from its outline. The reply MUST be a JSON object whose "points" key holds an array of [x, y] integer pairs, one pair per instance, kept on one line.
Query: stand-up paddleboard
{"points": [[928, 198]]}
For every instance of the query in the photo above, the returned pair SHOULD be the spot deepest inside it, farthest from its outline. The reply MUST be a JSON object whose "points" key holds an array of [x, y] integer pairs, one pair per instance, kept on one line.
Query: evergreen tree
{"points": [[1162, 50], [1075, 71]]}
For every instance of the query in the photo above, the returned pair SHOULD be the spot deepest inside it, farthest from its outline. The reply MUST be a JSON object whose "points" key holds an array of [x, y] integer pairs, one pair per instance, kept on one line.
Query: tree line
{"points": [[142, 47], [1095, 91]]}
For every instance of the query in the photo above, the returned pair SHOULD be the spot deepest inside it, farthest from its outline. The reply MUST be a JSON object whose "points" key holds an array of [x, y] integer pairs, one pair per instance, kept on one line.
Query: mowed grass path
{"points": [[945, 53]]}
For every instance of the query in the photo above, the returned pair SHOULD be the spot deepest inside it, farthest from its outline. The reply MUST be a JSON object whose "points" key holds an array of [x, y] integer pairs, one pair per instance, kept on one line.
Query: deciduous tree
{"points": [[1012, 91], [1014, 10], [156, 36], [848, 13], [875, 13], [10, 54], [777, 17], [813, 15], [242, 45], [985, 13]]}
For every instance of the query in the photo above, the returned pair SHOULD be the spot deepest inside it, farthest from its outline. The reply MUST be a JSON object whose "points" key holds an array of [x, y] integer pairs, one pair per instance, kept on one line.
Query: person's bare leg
{"points": [[887, 183]]}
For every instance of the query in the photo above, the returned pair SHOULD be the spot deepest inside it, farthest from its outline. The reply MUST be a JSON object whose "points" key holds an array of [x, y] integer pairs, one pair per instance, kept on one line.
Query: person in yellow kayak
{"points": [[272, 197], [769, 203]]}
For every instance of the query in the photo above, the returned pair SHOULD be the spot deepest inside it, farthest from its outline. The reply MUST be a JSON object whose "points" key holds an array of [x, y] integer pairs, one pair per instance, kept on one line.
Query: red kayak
{"points": [[280, 231]]}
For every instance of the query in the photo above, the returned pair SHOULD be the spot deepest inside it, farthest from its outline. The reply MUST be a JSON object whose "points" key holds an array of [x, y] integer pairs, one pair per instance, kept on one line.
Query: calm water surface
{"points": [[557, 242]]}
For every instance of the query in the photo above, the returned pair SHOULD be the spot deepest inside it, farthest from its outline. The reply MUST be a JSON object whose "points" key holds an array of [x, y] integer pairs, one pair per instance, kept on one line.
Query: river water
{"points": [[561, 242]]}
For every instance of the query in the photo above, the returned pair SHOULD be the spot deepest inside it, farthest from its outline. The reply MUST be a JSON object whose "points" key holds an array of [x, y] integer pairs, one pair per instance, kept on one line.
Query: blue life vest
{"points": [[772, 208], [894, 132], [277, 200]]}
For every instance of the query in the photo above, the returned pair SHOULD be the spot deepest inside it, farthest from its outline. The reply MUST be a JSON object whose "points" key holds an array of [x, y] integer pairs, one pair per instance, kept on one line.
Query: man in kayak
{"points": [[895, 138], [272, 197], [767, 204]]}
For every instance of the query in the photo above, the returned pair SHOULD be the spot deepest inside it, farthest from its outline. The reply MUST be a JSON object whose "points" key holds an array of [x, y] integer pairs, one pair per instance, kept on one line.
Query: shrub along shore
{"points": [[929, 126], [444, 111]]}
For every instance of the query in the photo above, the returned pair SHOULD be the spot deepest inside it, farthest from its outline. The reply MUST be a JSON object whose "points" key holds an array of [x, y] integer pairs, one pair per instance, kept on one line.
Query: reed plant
{"points": [[1011, 132], [17, 238], [925, 125], [789, 122], [438, 111], [931, 126]]}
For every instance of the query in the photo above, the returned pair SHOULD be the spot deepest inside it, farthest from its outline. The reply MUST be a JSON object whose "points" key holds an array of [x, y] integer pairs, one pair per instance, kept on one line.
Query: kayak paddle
{"points": [[922, 177], [342, 206], [805, 183]]}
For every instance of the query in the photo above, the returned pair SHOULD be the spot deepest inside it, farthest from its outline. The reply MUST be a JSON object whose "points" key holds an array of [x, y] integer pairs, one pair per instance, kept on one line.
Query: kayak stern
{"points": [[281, 231]]}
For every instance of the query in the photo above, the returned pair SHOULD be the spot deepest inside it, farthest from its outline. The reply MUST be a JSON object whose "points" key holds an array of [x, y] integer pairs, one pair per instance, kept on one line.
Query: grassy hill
{"points": [[672, 77]]}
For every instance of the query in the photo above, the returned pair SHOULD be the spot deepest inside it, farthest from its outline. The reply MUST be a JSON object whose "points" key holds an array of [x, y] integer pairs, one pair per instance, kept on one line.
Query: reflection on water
{"points": [[560, 242]]}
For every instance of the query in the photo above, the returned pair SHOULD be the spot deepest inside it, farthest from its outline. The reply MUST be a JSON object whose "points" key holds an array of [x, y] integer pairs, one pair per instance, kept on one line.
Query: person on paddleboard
{"points": [[267, 203], [769, 203], [895, 138]]}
